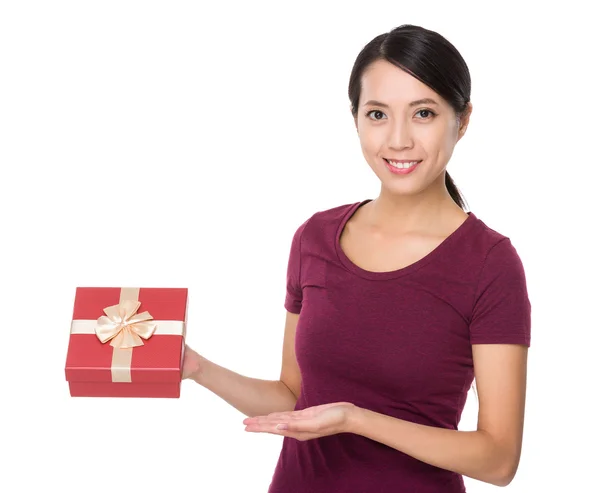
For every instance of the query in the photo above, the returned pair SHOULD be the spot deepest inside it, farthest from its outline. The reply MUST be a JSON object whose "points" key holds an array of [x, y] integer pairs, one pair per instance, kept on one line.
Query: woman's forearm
{"points": [[471, 453], [250, 396]]}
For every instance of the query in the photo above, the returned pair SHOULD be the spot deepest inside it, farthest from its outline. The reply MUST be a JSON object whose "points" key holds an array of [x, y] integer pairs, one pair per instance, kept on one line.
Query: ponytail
{"points": [[454, 192]]}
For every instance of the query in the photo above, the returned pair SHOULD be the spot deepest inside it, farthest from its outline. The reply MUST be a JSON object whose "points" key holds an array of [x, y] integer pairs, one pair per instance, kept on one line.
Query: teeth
{"points": [[402, 165]]}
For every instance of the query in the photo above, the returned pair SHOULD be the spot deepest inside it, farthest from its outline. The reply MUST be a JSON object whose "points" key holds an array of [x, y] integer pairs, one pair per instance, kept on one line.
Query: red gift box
{"points": [[127, 342]]}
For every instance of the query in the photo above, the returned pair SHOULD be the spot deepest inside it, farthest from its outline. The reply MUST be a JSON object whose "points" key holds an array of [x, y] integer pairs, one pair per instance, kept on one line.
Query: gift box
{"points": [[127, 342]]}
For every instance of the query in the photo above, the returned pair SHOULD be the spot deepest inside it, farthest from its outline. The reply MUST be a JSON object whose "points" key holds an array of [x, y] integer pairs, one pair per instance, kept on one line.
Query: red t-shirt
{"points": [[398, 343]]}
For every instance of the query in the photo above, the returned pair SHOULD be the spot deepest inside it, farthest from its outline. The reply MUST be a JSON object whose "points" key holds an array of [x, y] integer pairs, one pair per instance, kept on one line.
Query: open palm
{"points": [[312, 422]]}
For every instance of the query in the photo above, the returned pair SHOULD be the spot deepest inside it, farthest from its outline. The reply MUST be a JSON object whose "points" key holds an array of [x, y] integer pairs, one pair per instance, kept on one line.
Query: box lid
{"points": [[159, 359]]}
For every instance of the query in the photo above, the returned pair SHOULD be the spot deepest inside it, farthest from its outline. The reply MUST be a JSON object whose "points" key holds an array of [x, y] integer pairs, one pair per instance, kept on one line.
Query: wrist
{"points": [[354, 419], [198, 372]]}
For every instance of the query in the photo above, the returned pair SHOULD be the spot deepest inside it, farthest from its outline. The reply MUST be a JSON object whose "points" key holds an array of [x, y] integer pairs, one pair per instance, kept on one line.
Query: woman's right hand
{"points": [[192, 364]]}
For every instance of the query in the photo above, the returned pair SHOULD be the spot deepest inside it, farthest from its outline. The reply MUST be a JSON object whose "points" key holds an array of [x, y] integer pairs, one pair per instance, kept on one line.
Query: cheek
{"points": [[445, 147], [438, 140], [371, 149], [449, 142], [370, 139]]}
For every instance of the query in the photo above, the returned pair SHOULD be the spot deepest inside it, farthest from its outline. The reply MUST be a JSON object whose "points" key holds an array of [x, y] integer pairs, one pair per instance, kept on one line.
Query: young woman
{"points": [[395, 305]]}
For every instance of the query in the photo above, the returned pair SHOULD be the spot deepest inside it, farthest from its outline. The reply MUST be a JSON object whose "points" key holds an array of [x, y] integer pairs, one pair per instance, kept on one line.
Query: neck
{"points": [[398, 214]]}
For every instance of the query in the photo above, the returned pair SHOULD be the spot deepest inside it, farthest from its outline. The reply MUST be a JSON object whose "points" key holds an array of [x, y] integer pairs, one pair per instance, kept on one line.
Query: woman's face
{"points": [[394, 122]]}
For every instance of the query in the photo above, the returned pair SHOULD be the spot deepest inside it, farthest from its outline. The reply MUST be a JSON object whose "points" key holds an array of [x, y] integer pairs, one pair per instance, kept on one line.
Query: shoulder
{"points": [[484, 237], [487, 243], [324, 219], [501, 310], [497, 257]]}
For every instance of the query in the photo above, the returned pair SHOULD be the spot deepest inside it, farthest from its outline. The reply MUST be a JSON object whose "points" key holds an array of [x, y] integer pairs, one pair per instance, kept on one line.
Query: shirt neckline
{"points": [[439, 250]]}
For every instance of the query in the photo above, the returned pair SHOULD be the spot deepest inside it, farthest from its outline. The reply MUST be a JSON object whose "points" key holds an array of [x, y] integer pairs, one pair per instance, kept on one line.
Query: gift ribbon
{"points": [[125, 329]]}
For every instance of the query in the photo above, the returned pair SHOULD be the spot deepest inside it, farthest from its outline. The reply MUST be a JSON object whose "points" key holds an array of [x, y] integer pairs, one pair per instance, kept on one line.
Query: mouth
{"points": [[403, 165]]}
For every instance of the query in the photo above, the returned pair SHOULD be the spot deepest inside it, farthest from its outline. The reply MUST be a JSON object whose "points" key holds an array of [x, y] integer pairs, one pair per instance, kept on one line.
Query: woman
{"points": [[395, 305]]}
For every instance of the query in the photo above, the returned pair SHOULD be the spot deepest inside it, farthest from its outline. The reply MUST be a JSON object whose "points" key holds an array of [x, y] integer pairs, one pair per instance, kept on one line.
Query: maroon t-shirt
{"points": [[397, 342]]}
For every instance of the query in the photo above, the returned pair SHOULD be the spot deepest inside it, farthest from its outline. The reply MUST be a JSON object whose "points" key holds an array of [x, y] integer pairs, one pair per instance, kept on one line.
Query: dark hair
{"points": [[427, 56]]}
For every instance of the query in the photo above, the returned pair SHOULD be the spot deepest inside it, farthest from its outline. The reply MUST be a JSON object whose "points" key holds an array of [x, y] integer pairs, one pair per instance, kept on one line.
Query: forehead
{"points": [[385, 82]]}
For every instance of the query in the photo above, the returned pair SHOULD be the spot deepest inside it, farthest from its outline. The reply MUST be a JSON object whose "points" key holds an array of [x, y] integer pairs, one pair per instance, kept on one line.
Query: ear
{"points": [[464, 121]]}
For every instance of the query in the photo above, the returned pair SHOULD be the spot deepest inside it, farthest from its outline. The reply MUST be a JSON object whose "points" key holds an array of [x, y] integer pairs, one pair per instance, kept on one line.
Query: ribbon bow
{"points": [[123, 327]]}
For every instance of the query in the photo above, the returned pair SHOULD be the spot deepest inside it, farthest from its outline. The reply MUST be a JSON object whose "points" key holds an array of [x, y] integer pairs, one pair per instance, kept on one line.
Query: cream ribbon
{"points": [[123, 327]]}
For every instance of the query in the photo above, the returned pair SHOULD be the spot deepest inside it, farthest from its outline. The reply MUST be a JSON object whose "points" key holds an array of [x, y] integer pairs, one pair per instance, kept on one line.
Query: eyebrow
{"points": [[372, 102]]}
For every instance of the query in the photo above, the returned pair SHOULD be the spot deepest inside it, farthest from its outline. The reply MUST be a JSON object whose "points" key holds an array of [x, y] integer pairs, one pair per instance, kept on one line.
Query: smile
{"points": [[402, 165], [401, 168]]}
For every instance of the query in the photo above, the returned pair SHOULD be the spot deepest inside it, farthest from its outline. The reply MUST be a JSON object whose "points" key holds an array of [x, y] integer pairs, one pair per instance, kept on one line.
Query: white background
{"points": [[180, 144]]}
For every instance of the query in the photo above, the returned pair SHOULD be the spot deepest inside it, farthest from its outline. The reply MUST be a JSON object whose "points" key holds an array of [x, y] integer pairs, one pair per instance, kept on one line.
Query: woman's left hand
{"points": [[306, 424]]}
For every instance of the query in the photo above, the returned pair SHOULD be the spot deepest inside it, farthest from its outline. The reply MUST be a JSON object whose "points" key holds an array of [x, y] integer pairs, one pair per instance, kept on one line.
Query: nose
{"points": [[400, 135]]}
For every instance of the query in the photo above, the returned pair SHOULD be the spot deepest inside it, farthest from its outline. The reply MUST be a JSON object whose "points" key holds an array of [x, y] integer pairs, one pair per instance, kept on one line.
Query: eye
{"points": [[425, 111], [374, 111], [420, 112]]}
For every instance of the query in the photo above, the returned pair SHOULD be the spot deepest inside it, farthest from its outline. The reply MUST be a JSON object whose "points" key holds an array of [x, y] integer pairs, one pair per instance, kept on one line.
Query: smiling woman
{"points": [[396, 305], [419, 298]]}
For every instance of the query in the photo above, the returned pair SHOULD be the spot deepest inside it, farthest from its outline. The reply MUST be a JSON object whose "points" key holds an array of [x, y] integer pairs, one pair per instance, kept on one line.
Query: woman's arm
{"points": [[492, 452], [248, 395]]}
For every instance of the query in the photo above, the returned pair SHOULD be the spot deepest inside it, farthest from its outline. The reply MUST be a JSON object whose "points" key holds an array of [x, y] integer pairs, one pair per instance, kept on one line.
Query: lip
{"points": [[404, 160], [402, 171]]}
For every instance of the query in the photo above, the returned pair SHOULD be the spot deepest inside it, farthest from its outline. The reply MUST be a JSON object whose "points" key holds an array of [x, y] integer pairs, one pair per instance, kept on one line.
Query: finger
{"points": [[302, 426], [276, 415], [262, 419], [298, 435], [273, 418]]}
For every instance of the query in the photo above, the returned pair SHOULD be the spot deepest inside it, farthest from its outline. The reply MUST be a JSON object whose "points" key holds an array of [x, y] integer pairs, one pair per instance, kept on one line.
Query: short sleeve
{"points": [[293, 296], [502, 310]]}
